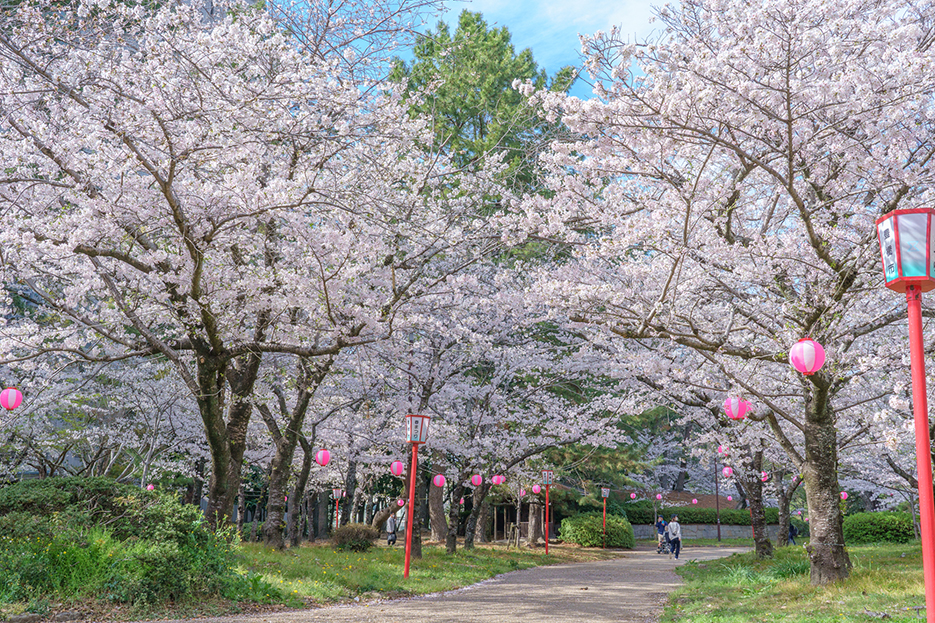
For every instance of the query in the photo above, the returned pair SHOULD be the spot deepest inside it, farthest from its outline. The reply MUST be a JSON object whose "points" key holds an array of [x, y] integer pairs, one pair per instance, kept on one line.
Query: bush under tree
{"points": [[587, 530]]}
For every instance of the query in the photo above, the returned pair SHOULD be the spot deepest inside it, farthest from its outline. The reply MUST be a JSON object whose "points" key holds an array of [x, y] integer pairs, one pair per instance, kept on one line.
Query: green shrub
{"points": [[692, 514], [881, 527], [587, 530], [98, 538], [356, 537]]}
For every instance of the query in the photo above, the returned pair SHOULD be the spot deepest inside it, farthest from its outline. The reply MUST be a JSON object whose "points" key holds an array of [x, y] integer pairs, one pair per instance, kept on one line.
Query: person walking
{"points": [[660, 533], [674, 532], [391, 530], [793, 532]]}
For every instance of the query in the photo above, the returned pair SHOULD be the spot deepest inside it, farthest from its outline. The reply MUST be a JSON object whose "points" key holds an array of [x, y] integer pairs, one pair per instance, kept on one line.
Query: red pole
{"points": [[547, 519], [412, 506], [923, 447], [605, 522], [337, 515]]}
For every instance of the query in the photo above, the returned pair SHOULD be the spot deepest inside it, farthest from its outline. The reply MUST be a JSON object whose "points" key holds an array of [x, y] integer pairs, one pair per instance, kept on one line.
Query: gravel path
{"points": [[629, 589]]}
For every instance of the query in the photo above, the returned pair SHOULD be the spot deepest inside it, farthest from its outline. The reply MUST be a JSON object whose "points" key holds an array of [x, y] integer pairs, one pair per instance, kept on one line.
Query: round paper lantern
{"points": [[397, 467], [439, 480], [658, 496], [730, 498], [150, 487], [461, 501], [632, 496], [401, 502], [498, 479], [476, 480], [844, 495], [807, 356], [536, 488], [694, 501], [806, 520], [720, 450], [323, 457], [10, 398], [522, 492], [764, 476], [736, 408], [728, 472]]}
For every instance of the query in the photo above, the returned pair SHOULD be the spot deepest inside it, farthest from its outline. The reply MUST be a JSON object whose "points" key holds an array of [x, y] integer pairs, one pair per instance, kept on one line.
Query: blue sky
{"points": [[551, 28]]}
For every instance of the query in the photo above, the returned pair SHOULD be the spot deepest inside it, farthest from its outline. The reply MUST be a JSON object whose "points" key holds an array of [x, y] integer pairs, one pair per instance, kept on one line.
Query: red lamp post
{"points": [[417, 431], [906, 241], [337, 493], [605, 493], [547, 477]]}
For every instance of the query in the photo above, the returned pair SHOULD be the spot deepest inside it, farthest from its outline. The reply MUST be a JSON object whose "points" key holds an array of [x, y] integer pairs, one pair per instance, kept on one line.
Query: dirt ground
{"points": [[629, 589]]}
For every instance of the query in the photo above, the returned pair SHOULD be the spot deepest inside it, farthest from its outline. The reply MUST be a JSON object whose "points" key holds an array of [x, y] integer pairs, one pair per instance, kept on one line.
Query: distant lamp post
{"points": [[10, 398], [547, 477], [906, 241], [417, 432], [605, 493], [338, 494]]}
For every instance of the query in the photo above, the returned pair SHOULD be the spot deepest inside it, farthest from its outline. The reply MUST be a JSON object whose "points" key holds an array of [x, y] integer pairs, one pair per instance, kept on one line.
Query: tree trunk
{"points": [[241, 509], [480, 494], [483, 522], [350, 484], [784, 497], [454, 514], [298, 492], [437, 513], [324, 515], [534, 529], [750, 480], [829, 559]]}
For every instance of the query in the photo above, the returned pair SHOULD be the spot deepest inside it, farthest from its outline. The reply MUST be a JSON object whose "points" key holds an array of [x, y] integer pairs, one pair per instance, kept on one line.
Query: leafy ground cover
{"points": [[886, 580]]}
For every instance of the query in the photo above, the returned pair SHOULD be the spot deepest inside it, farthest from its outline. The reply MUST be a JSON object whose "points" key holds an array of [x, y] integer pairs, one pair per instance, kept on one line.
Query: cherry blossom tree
{"points": [[722, 201], [206, 190]]}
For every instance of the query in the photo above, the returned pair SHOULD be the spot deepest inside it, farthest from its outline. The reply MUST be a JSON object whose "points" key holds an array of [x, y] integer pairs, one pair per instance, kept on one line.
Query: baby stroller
{"points": [[665, 547]]}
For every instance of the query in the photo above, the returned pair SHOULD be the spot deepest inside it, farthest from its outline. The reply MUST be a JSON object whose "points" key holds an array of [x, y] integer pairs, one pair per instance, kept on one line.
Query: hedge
{"points": [[880, 527], [587, 530], [692, 514]]}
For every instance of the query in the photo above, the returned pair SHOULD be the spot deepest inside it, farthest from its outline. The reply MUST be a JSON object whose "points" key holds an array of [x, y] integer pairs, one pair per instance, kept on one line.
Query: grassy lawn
{"points": [[318, 574], [885, 580]]}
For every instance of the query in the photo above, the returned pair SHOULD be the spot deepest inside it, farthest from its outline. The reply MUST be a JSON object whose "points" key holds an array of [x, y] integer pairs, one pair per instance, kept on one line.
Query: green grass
{"points": [[319, 574], [885, 579]]}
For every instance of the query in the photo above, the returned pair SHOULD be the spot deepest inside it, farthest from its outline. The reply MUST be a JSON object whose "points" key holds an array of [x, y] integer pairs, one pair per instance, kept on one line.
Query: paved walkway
{"points": [[629, 589]]}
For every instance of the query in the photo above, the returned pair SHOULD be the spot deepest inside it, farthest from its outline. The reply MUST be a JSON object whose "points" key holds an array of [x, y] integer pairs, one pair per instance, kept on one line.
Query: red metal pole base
{"points": [[547, 519], [923, 447], [412, 505], [605, 523]]}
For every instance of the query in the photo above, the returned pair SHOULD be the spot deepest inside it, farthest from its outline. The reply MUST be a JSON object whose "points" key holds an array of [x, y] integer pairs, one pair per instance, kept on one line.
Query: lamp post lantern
{"points": [[417, 431], [605, 493], [547, 477], [907, 238]]}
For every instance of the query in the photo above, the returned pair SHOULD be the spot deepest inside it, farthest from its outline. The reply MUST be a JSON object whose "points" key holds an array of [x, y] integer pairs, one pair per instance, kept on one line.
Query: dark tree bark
{"points": [[749, 478], [480, 494], [784, 497], [437, 513], [534, 530], [454, 514], [324, 515], [298, 491]]}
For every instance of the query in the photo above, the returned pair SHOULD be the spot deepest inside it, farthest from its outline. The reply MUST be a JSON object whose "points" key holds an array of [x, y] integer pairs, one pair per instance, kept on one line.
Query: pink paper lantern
{"points": [[522, 492], [736, 408], [397, 467], [658, 496], [807, 356], [844, 495], [694, 501], [806, 519], [439, 480], [721, 450], [400, 502], [728, 472], [632, 496], [10, 398], [323, 457], [476, 480], [730, 498], [498, 479], [536, 488], [150, 487], [461, 501], [764, 476]]}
